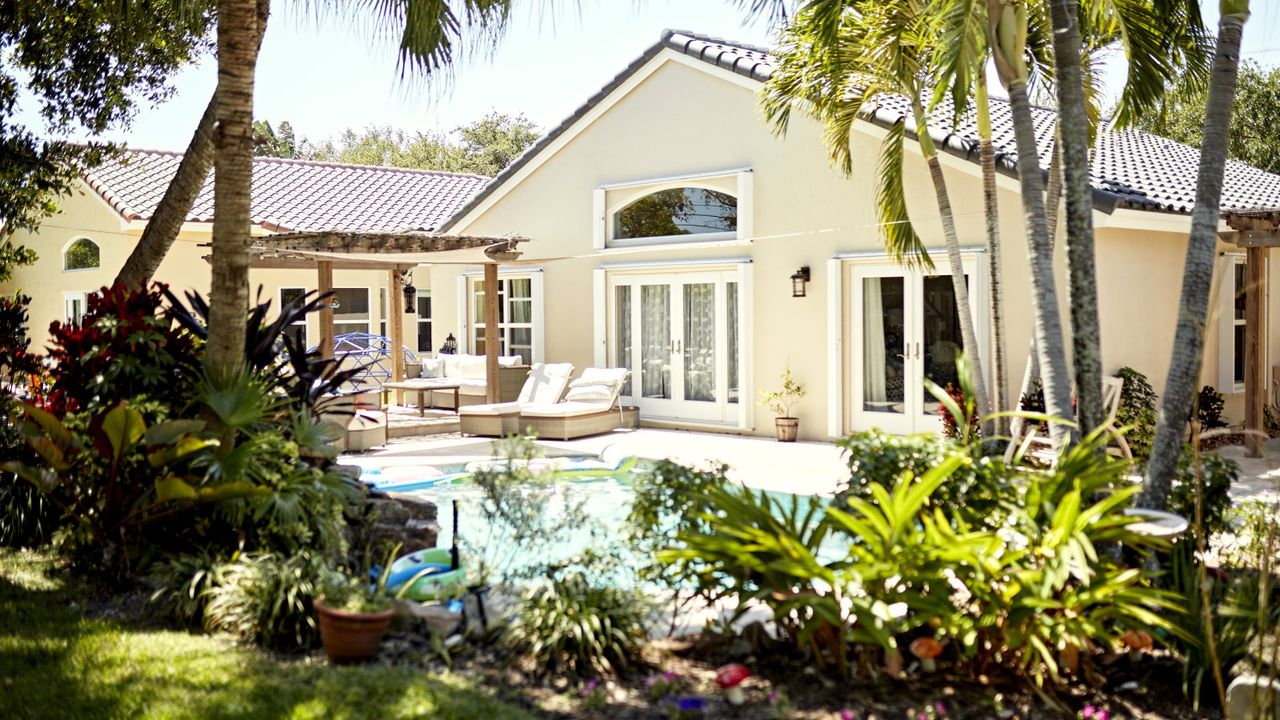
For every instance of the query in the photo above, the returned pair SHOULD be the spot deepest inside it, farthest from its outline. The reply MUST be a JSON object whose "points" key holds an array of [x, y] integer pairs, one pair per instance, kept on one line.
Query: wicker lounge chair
{"points": [[589, 408], [544, 386], [1040, 447]]}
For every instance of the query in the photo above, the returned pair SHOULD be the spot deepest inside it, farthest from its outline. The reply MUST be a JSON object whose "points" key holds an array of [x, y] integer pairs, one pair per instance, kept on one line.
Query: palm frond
{"points": [[900, 238]]}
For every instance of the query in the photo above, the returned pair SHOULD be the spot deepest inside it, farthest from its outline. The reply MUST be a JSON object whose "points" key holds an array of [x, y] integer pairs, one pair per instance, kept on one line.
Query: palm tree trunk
{"points": [[1044, 291], [166, 222], [233, 180], [1031, 369], [959, 286], [1073, 129], [995, 265], [1193, 308]]}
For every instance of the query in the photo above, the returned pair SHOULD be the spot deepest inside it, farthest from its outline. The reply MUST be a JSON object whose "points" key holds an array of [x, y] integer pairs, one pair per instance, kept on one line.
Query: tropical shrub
{"points": [[670, 499], [570, 621], [1210, 475], [1137, 411], [125, 347], [950, 426], [267, 598], [1209, 407], [26, 518], [974, 489]]}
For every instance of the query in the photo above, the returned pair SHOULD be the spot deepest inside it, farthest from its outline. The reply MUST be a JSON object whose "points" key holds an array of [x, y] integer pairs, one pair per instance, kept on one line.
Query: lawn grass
{"points": [[57, 663]]}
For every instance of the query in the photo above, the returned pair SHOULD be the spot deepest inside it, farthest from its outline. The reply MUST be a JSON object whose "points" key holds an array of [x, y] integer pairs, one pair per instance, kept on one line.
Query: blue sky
{"points": [[328, 74]]}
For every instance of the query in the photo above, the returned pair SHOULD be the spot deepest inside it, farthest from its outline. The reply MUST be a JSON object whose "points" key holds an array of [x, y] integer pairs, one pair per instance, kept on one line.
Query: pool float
{"points": [[409, 478], [429, 574]]}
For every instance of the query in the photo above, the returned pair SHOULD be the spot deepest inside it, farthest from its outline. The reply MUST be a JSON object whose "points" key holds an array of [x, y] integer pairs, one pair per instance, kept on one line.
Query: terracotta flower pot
{"points": [[788, 428], [351, 637]]}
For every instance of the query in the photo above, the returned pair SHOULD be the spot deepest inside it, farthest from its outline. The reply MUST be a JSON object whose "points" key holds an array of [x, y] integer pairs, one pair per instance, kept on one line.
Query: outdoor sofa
{"points": [[468, 373], [590, 407]]}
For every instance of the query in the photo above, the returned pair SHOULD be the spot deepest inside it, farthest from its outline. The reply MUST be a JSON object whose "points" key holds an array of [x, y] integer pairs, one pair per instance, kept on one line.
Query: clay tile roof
{"points": [[297, 195], [1131, 168]]}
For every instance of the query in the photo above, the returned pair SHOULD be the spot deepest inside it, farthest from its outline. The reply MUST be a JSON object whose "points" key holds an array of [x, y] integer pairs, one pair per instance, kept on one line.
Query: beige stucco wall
{"points": [[84, 214], [686, 120]]}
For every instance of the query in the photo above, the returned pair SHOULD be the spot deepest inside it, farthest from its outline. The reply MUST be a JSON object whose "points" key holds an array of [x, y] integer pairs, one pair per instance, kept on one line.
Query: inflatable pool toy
{"points": [[425, 481], [429, 575]]}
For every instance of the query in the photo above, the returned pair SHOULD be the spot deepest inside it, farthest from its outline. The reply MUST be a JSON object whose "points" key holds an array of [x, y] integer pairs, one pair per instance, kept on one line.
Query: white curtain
{"points": [[873, 349], [655, 342], [700, 342]]}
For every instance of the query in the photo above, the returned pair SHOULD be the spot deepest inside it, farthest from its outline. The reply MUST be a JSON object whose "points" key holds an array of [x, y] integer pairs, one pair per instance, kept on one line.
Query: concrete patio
{"points": [[1259, 477], [759, 462]]}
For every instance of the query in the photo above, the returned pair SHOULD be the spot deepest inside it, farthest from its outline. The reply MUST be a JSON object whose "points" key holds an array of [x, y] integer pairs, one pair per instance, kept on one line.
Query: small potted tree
{"points": [[781, 402]]}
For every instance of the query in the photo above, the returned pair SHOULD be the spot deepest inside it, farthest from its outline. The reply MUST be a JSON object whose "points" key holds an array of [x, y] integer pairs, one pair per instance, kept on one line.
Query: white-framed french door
{"points": [[680, 335], [905, 327]]}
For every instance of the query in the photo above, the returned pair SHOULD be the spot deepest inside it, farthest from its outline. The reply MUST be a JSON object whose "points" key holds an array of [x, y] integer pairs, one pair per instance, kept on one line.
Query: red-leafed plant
{"points": [[950, 428], [125, 347]]}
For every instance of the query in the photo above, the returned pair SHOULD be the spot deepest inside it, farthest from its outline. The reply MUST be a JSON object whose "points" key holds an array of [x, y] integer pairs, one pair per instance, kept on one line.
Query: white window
{"points": [[81, 254], [424, 321], [1231, 324], [692, 209], [74, 306], [519, 315], [352, 313], [383, 328], [297, 330]]}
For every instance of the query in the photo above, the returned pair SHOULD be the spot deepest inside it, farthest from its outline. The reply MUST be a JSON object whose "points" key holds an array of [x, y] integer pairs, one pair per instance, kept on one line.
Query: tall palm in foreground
{"points": [[1193, 307], [432, 34], [835, 58]]}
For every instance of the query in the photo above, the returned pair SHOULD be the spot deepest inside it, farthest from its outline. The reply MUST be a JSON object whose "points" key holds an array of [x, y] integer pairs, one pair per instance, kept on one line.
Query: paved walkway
{"points": [[802, 467], [1259, 477]]}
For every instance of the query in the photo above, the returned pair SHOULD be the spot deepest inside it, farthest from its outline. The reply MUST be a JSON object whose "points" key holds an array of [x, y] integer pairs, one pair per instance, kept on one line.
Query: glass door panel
{"points": [[731, 350], [942, 341], [699, 342], [883, 353], [622, 333], [655, 341]]}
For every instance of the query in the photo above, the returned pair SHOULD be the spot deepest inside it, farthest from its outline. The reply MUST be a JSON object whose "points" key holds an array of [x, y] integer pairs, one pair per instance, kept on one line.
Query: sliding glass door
{"points": [[905, 327], [678, 333]]}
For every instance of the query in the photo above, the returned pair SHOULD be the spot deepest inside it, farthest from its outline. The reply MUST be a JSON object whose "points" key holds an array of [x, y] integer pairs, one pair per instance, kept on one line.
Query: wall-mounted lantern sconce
{"points": [[410, 299], [798, 281]]}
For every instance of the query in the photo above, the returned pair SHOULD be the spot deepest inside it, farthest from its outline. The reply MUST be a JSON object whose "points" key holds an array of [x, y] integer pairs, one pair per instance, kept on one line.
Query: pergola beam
{"points": [[324, 271], [395, 288], [384, 243], [491, 334], [1257, 231]]}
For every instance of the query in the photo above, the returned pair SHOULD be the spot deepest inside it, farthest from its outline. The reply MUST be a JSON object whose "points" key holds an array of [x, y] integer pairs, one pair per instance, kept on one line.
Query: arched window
{"points": [[82, 254], [677, 211]]}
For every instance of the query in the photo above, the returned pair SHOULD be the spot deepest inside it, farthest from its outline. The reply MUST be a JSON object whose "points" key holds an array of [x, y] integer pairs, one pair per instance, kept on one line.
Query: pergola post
{"points": [[395, 323], [491, 334], [1255, 318], [325, 283]]}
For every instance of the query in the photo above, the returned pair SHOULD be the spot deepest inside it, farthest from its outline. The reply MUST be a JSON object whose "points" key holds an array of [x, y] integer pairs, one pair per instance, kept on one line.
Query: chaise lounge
{"points": [[589, 408], [544, 386]]}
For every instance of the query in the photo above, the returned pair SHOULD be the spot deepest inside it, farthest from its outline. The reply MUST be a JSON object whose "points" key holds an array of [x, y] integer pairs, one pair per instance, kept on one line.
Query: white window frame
{"points": [[609, 199], [428, 320], [1227, 323], [67, 247], [466, 302], [306, 331], [70, 297], [382, 312], [368, 315]]}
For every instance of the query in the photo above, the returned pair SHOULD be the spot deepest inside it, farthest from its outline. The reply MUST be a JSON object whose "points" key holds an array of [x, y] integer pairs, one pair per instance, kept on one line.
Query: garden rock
{"points": [[403, 520], [439, 619], [1240, 698]]}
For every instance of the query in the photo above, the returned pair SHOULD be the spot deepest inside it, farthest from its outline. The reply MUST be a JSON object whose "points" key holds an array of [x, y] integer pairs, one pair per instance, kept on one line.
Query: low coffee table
{"points": [[424, 386]]}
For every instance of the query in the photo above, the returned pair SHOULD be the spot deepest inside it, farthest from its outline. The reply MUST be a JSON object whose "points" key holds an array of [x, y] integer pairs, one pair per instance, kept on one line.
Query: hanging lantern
{"points": [[410, 299]]}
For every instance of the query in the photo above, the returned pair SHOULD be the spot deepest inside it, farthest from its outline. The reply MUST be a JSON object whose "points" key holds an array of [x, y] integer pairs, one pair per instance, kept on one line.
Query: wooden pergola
{"points": [[1257, 231], [396, 253]]}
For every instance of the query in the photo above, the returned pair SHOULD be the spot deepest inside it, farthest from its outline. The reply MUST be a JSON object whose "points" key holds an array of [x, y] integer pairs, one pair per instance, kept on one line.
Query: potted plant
{"points": [[353, 616], [781, 402]]}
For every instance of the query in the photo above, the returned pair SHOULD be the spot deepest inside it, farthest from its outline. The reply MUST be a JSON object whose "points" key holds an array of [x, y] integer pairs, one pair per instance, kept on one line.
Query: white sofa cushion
{"points": [[432, 367], [509, 360], [545, 383], [491, 409]]}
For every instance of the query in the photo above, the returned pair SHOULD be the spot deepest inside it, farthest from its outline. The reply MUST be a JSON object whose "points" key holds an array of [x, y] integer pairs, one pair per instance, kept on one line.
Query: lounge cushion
{"points": [[491, 409], [432, 367], [597, 385], [567, 408], [545, 383]]}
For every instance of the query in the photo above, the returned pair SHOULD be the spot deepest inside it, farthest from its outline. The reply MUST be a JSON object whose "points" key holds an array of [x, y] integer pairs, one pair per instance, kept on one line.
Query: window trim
{"points": [[430, 320], [67, 247], [1227, 323], [466, 300], [67, 297], [306, 326], [368, 314], [625, 193]]}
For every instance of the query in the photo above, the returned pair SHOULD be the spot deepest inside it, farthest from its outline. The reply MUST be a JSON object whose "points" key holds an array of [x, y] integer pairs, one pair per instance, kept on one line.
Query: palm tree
{"points": [[1193, 309], [430, 36], [835, 58], [238, 35]]}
